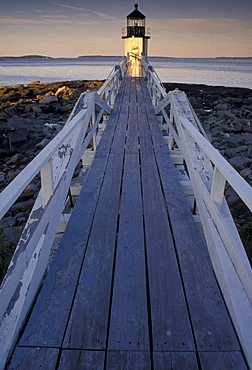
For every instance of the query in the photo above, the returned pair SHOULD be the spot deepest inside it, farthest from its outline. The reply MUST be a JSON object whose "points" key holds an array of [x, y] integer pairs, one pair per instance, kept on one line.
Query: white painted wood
{"points": [[46, 175], [218, 187], [242, 188]]}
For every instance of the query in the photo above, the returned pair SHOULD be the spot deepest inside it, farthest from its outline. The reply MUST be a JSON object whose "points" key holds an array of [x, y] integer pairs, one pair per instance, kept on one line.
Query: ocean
{"points": [[215, 72]]}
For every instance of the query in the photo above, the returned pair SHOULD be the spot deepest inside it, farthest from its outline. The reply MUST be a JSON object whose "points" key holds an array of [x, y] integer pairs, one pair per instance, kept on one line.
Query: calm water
{"points": [[225, 72]]}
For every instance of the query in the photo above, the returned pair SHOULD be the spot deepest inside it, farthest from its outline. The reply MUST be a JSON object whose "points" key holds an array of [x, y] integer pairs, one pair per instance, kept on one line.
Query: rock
{"points": [[42, 144], [18, 140], [238, 125], [37, 109], [4, 144], [232, 199], [234, 141], [7, 222], [64, 92], [31, 189], [33, 83], [16, 158], [222, 106], [48, 99], [242, 148], [11, 175], [28, 108], [12, 234], [11, 110], [246, 172], [23, 206], [2, 177], [240, 161], [3, 116], [230, 153]]}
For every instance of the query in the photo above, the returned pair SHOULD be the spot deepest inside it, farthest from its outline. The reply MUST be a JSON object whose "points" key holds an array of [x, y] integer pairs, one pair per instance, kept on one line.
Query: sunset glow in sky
{"points": [[69, 28]]}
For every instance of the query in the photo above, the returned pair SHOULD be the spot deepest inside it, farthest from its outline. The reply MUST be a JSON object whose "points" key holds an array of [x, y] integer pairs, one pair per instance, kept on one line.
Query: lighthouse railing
{"points": [[209, 172], [56, 164]]}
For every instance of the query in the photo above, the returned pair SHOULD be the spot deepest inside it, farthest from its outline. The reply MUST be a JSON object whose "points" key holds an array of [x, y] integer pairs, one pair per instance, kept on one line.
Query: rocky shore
{"points": [[30, 116]]}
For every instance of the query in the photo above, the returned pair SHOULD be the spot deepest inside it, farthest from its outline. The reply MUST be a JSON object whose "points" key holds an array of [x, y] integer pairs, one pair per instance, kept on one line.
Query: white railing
{"points": [[209, 172], [56, 164]]}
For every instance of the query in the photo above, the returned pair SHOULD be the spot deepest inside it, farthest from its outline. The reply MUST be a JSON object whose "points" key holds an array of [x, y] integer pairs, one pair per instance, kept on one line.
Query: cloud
{"points": [[212, 26], [18, 21], [102, 15]]}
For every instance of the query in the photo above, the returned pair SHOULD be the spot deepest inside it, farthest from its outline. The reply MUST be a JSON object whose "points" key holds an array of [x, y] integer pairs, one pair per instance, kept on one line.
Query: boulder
{"points": [[11, 110], [42, 144], [246, 172], [7, 222], [37, 109], [240, 161], [4, 144], [234, 141], [15, 159], [18, 140], [23, 206], [3, 116], [48, 99]]}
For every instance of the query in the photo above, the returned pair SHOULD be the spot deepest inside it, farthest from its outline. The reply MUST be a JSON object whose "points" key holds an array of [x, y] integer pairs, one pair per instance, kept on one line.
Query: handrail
{"points": [[56, 164], [208, 172], [236, 181]]}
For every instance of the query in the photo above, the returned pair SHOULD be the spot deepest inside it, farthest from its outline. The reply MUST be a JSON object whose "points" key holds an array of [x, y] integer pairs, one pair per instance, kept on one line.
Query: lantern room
{"points": [[135, 35]]}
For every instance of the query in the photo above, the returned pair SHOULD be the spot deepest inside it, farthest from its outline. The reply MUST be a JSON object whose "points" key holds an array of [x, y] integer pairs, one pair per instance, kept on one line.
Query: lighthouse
{"points": [[135, 35]]}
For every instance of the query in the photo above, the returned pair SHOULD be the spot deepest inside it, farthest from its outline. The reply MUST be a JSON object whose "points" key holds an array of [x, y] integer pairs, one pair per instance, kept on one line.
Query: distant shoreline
{"points": [[109, 56], [26, 57]]}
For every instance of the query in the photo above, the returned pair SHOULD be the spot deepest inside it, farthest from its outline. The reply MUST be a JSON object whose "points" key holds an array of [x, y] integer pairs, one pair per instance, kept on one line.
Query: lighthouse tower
{"points": [[134, 35]]}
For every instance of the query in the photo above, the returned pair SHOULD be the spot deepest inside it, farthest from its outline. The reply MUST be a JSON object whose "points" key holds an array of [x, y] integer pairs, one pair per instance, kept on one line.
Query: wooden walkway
{"points": [[131, 286]]}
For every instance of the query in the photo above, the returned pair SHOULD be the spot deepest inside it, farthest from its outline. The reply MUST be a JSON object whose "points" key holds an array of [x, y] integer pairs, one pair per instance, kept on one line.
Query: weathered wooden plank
{"points": [[157, 138], [211, 322], [176, 360], [79, 359], [129, 319], [222, 360], [171, 328], [25, 358], [128, 360], [119, 138], [145, 141], [92, 300], [131, 145], [107, 136], [133, 97], [48, 320], [140, 98]]}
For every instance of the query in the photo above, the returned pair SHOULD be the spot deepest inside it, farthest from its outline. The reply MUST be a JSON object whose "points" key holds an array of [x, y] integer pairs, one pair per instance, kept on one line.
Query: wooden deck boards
{"points": [[131, 286]]}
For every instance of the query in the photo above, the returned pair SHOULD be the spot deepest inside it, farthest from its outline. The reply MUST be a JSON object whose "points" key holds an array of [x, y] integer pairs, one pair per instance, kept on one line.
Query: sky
{"points": [[179, 28]]}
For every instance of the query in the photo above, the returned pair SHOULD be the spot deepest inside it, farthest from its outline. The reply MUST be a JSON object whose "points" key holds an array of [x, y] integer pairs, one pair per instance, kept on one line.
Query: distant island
{"points": [[99, 56], [27, 57], [233, 58], [108, 56]]}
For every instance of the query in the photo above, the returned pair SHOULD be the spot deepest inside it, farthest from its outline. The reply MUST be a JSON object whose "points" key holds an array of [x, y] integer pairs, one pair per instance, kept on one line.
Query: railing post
{"points": [[218, 187], [92, 122], [46, 175]]}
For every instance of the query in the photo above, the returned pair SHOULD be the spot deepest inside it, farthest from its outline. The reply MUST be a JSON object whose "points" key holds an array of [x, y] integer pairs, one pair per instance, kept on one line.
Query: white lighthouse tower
{"points": [[135, 35]]}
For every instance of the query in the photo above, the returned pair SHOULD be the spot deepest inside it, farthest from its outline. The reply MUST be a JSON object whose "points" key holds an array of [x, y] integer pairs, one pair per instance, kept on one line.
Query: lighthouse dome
{"points": [[136, 14]]}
